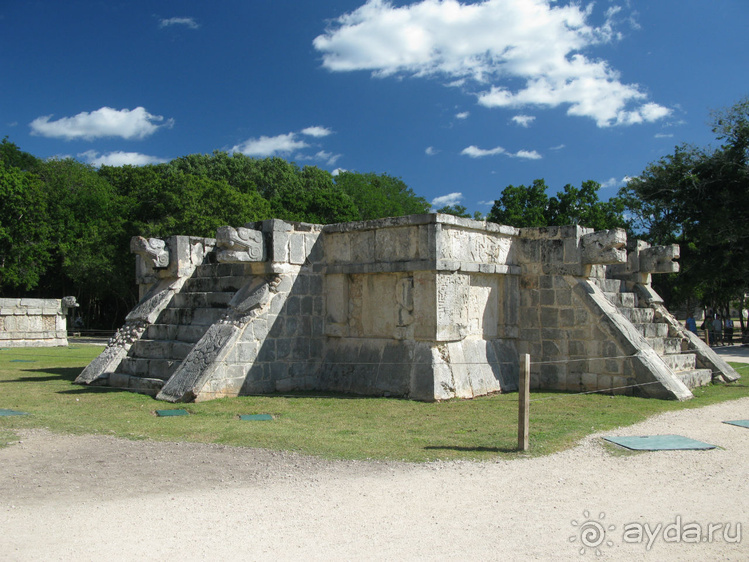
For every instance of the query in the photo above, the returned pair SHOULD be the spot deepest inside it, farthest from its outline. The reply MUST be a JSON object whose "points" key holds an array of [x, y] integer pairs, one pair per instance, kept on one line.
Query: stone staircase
{"points": [[671, 347], [202, 301]]}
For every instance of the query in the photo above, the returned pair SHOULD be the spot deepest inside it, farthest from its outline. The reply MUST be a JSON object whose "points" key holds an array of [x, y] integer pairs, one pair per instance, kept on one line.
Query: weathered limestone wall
{"points": [[162, 268], [32, 323], [271, 338], [579, 340], [428, 307], [420, 306]]}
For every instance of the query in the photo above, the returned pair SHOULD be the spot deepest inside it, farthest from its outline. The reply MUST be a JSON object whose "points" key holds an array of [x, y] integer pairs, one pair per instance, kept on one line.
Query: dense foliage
{"points": [[699, 198], [524, 206], [696, 197], [65, 226]]}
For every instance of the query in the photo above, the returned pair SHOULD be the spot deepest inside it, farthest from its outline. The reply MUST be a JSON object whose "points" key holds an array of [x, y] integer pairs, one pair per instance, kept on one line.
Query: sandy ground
{"points": [[101, 498]]}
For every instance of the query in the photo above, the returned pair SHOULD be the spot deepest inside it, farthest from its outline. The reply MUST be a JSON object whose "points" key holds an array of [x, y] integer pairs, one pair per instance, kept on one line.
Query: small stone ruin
{"points": [[34, 322], [427, 307]]}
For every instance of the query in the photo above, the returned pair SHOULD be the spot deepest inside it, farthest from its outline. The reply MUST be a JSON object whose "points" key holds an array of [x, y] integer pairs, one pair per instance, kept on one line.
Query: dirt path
{"points": [[100, 498]]}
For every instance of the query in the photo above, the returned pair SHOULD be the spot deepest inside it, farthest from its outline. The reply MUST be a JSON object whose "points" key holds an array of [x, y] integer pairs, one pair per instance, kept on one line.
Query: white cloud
{"points": [[328, 157], [558, 147], [527, 154], [664, 136], [317, 131], [475, 152], [431, 151], [338, 171], [524, 120], [119, 158], [449, 199], [190, 23], [487, 203], [462, 115], [270, 146], [496, 43], [105, 122], [264, 147]]}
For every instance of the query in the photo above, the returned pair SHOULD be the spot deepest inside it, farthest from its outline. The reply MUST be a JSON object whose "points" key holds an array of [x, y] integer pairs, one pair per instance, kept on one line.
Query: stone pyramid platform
{"points": [[428, 307]]}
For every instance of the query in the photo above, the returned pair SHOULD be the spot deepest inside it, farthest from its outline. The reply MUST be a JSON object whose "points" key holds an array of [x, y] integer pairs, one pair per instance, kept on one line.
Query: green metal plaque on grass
{"points": [[4, 412], [659, 443], [170, 413]]}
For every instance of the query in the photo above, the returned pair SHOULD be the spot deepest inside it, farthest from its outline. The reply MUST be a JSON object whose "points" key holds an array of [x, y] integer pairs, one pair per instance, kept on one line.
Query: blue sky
{"points": [[459, 99]]}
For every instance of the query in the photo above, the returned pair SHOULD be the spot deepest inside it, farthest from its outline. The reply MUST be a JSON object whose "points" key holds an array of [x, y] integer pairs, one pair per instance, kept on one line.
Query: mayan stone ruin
{"points": [[428, 307], [35, 322]]}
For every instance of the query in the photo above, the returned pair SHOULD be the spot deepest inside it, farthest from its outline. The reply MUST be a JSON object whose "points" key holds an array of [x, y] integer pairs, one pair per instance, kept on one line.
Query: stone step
{"points": [[221, 270], [612, 285], [622, 300], [160, 349], [680, 361], [638, 315], [191, 316], [214, 284], [665, 345], [138, 367], [136, 384], [201, 300], [652, 329], [161, 332], [189, 334], [696, 377]]}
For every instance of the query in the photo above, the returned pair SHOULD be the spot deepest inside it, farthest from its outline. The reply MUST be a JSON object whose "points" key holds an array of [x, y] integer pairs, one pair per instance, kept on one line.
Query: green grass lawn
{"points": [[40, 382]]}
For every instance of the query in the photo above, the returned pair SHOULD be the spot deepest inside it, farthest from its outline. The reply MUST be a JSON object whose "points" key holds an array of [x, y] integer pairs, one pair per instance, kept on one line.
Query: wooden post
{"points": [[524, 392]]}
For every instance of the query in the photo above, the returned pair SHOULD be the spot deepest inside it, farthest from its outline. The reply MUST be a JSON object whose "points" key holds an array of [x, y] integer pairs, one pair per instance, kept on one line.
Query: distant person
{"points": [[707, 325], [728, 331], [691, 324], [717, 337]]}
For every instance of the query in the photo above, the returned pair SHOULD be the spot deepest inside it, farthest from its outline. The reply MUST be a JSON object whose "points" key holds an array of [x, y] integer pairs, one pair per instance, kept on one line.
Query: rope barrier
{"points": [[454, 363]]}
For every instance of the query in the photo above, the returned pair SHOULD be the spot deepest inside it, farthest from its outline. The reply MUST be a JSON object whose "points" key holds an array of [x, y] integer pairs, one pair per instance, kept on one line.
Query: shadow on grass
{"points": [[93, 390], [326, 395], [472, 449], [64, 373]]}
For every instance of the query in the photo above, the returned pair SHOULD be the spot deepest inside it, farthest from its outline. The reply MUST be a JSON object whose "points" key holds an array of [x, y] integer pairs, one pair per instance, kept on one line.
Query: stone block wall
{"points": [[272, 335], [428, 307], [32, 323], [422, 306]]}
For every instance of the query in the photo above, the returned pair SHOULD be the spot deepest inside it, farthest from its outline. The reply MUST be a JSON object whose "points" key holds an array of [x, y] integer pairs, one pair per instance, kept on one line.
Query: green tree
{"points": [[456, 210], [88, 241], [582, 207], [701, 201], [380, 195], [24, 229], [197, 206], [521, 206], [14, 157], [314, 199]]}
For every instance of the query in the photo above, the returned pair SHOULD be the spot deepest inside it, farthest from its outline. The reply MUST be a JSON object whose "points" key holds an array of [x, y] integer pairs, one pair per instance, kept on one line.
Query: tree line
{"points": [[65, 226], [697, 197]]}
